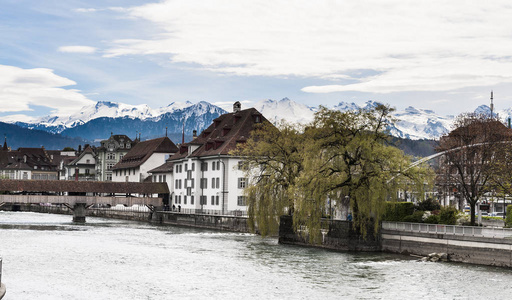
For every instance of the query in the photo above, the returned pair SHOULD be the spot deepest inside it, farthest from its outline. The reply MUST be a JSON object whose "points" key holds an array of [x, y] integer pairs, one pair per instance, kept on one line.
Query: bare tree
{"points": [[473, 149]]}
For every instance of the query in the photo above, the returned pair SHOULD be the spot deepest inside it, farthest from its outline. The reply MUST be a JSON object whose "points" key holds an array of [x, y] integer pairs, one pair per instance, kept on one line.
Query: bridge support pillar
{"points": [[79, 213]]}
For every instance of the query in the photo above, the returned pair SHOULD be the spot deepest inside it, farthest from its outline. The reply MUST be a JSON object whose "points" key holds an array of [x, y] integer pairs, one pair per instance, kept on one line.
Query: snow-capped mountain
{"points": [[285, 109], [99, 120], [411, 123], [107, 109]]}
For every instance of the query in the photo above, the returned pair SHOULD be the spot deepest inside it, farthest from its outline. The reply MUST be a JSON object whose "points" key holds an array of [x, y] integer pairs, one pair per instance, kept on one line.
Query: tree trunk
{"points": [[472, 205]]}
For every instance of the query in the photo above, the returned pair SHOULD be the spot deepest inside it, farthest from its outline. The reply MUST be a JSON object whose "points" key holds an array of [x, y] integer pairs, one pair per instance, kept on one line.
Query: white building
{"points": [[110, 153], [83, 167], [144, 156], [203, 176]]}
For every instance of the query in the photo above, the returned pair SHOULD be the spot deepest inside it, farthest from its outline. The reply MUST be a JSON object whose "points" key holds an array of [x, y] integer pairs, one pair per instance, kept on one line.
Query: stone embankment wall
{"points": [[339, 236], [467, 249], [217, 222]]}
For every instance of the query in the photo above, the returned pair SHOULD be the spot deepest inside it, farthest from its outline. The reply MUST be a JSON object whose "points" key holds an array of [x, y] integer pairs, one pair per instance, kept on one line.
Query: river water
{"points": [[47, 257]]}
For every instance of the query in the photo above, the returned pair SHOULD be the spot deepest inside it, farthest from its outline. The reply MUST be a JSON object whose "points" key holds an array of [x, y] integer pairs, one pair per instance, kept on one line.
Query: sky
{"points": [[58, 56]]}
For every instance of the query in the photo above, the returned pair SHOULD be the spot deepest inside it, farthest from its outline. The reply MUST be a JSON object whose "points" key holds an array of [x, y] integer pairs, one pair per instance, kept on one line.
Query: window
{"points": [[87, 171], [109, 177], [159, 178], [128, 146], [242, 201], [241, 166], [202, 200], [185, 199], [204, 166], [213, 183], [192, 183], [204, 183], [217, 183], [179, 199], [189, 191], [186, 167], [25, 175], [218, 165], [154, 178], [87, 161], [176, 199], [213, 200], [216, 200], [193, 166], [213, 166], [121, 156], [242, 182], [164, 177], [110, 166], [176, 184], [111, 156], [192, 200]]}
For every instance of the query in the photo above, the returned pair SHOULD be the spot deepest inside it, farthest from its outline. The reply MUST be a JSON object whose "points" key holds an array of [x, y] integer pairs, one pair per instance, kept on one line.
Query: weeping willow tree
{"points": [[274, 159], [348, 155], [340, 155]]}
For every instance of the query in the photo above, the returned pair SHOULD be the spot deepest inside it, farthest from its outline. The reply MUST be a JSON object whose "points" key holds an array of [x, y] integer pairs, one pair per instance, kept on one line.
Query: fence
{"points": [[488, 232], [217, 212]]}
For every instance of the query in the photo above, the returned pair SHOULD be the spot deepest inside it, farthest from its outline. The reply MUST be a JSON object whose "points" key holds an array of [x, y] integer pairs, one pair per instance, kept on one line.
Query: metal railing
{"points": [[217, 212], [488, 232]]}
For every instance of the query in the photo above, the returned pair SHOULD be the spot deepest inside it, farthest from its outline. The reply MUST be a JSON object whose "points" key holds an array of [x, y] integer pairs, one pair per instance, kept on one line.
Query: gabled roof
{"points": [[143, 151], [223, 135], [27, 159], [167, 167], [87, 150]]}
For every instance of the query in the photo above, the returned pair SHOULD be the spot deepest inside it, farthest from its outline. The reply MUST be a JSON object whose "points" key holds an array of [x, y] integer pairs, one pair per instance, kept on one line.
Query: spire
{"points": [[492, 105], [5, 148], [165, 131]]}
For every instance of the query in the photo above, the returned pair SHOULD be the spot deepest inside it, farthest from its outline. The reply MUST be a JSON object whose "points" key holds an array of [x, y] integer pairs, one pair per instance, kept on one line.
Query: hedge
{"points": [[508, 219], [397, 211]]}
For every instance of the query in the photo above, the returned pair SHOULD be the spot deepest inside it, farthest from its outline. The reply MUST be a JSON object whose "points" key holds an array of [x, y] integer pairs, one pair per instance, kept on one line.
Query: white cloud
{"points": [[77, 49], [24, 87], [418, 45]]}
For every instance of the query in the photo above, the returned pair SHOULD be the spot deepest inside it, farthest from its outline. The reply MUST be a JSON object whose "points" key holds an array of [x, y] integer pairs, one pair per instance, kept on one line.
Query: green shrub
{"points": [[508, 220], [397, 211], [448, 215], [432, 219], [428, 205], [416, 217]]}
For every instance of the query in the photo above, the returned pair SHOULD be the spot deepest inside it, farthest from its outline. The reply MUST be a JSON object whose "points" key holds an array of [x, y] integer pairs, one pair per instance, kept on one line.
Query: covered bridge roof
{"points": [[83, 186]]}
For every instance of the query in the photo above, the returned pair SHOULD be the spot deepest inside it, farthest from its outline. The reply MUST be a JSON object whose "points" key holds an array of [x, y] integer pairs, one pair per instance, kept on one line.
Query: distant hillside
{"points": [[417, 148], [22, 137]]}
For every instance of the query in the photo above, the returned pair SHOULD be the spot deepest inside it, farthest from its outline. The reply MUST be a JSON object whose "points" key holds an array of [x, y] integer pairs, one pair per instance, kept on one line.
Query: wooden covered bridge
{"points": [[80, 195]]}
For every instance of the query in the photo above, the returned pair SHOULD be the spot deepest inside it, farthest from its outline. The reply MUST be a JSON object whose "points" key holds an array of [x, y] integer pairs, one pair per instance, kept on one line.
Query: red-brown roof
{"points": [[143, 151], [83, 186], [224, 134], [167, 167]]}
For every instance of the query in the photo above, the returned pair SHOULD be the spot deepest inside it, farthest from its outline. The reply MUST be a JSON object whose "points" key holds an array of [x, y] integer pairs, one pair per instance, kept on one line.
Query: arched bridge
{"points": [[80, 195]]}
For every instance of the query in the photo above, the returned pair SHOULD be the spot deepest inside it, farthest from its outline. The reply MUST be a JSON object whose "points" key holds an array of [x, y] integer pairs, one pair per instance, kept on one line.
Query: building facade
{"points": [[109, 153], [204, 176], [143, 157]]}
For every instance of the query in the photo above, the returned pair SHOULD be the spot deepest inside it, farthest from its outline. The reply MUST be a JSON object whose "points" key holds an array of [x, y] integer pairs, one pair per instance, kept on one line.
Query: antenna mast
{"points": [[492, 106]]}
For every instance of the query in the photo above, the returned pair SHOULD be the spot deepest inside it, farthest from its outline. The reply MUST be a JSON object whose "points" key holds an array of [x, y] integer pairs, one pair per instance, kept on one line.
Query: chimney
{"points": [[194, 134], [237, 106]]}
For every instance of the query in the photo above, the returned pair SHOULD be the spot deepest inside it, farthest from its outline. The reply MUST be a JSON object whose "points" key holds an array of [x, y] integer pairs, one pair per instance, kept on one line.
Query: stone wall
{"points": [[340, 235], [467, 249], [217, 222]]}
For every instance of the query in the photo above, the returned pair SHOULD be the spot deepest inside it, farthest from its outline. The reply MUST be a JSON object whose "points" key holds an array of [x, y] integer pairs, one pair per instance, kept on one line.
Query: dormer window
{"points": [[209, 145], [205, 134], [217, 144], [216, 123], [257, 119], [225, 130], [237, 118]]}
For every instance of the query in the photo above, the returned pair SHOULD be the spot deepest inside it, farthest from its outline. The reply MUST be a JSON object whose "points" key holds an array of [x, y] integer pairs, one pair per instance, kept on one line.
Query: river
{"points": [[47, 257]]}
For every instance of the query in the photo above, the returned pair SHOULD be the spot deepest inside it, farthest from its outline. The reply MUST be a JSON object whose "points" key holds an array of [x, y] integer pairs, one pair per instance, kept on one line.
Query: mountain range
{"points": [[97, 122]]}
